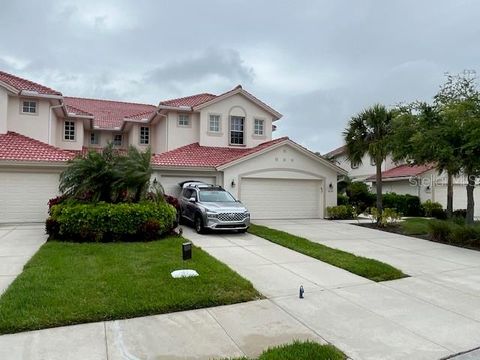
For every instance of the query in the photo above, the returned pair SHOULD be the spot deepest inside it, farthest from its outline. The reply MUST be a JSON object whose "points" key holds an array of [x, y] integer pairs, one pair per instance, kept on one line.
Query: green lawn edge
{"points": [[368, 268], [299, 350], [68, 283]]}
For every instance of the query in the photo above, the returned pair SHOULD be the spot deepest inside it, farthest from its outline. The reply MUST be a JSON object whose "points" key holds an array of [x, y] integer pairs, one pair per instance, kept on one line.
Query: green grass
{"points": [[301, 350], [415, 226], [368, 268], [69, 283]]}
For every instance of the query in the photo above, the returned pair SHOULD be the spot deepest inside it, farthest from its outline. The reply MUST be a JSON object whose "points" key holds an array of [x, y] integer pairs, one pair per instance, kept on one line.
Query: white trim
{"points": [[289, 142], [245, 93]]}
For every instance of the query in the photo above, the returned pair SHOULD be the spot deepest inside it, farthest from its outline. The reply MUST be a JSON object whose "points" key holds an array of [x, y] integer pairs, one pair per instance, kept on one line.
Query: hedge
{"points": [[341, 212], [455, 233], [105, 222], [407, 205]]}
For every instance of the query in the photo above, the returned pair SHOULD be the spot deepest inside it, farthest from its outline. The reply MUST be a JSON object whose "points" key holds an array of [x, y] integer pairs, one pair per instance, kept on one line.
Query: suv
{"points": [[212, 207]]}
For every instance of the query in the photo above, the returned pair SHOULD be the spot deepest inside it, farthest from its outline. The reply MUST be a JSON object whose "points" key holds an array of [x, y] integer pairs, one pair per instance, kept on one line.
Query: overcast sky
{"points": [[316, 62]]}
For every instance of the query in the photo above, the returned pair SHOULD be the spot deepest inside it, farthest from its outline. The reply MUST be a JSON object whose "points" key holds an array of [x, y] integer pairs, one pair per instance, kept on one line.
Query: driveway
{"points": [[17, 246], [432, 314]]}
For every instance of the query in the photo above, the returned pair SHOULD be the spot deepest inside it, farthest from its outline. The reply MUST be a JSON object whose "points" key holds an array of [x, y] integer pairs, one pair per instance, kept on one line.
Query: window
{"points": [[183, 120], [117, 139], [214, 123], [259, 127], [29, 107], [144, 135], [69, 130], [94, 138], [236, 130]]}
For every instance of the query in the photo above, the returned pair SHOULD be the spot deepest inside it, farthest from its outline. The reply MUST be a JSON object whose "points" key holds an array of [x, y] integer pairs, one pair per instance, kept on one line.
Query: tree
{"points": [[369, 133], [108, 176], [459, 102], [423, 135]]}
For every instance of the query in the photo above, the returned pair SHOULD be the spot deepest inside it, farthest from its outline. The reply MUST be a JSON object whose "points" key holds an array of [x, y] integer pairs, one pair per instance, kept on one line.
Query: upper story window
{"points": [[259, 127], [94, 138], [69, 130], [144, 135], [29, 107], [237, 130], [117, 139], [214, 123], [183, 120]]}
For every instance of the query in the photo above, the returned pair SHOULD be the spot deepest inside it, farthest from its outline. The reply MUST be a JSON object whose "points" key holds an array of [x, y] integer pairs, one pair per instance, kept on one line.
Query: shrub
{"points": [[408, 205], [103, 222], [439, 214], [389, 216], [463, 234], [341, 212], [359, 196], [430, 206], [440, 230], [460, 213], [342, 199]]}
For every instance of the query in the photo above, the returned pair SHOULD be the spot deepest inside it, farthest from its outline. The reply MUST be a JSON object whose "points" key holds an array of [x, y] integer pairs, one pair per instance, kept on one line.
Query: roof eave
{"points": [[180, 167]]}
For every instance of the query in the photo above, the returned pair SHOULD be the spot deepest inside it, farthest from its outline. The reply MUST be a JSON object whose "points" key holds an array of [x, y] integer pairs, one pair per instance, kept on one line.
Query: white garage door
{"points": [[459, 197], [170, 183], [24, 196], [282, 198]]}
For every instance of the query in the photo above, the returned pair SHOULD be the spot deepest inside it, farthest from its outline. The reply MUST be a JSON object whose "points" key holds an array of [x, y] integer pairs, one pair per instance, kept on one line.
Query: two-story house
{"points": [[221, 139]]}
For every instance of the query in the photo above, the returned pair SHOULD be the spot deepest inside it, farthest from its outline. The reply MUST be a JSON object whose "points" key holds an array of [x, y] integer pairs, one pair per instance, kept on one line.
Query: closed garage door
{"points": [[24, 196], [459, 197], [282, 198], [170, 183]]}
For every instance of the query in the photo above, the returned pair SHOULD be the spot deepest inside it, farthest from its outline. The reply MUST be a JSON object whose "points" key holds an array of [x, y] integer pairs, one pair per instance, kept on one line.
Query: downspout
{"points": [[50, 120]]}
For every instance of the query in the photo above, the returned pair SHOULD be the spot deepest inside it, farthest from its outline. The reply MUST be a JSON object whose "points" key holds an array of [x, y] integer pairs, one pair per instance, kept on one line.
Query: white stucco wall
{"points": [[3, 111], [31, 125], [134, 137], [364, 169], [178, 136], [69, 144], [284, 162], [106, 137], [236, 105]]}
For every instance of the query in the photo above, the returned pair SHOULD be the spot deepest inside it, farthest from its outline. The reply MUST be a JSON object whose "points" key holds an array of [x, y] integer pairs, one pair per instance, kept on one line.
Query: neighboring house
{"points": [[221, 139], [422, 181], [357, 172]]}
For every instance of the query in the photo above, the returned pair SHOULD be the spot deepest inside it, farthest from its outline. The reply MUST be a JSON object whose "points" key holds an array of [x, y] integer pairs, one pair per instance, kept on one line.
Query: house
{"points": [[224, 139], [422, 181]]}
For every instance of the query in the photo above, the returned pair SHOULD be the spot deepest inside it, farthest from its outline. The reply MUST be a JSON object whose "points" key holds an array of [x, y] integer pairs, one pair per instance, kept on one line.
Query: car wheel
{"points": [[199, 225]]}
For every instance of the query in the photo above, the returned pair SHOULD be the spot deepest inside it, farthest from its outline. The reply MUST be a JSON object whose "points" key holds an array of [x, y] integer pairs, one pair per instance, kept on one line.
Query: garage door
{"points": [[459, 197], [170, 183], [24, 196], [282, 198]]}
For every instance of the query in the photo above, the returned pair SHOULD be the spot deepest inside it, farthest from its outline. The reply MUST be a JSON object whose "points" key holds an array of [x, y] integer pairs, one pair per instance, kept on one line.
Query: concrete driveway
{"points": [[430, 315], [17, 246]]}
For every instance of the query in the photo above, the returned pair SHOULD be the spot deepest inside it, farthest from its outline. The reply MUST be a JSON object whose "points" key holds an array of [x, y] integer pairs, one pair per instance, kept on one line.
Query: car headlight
{"points": [[212, 214], [247, 214]]}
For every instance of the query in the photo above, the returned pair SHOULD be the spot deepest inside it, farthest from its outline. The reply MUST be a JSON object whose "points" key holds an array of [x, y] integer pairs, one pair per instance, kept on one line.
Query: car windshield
{"points": [[216, 196]]}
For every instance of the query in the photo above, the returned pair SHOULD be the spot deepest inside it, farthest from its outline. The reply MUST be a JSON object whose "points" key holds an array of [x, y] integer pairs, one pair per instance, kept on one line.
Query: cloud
{"points": [[212, 65]]}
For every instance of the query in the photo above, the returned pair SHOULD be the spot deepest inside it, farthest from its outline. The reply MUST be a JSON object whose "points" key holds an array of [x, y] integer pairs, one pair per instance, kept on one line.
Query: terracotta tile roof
{"points": [[27, 85], [73, 110], [189, 101], [108, 114], [18, 147], [194, 155], [140, 116], [337, 151], [403, 171]]}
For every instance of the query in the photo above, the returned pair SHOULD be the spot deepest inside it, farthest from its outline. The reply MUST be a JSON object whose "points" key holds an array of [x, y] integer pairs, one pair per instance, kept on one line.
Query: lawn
{"points": [[368, 268], [70, 283], [301, 350]]}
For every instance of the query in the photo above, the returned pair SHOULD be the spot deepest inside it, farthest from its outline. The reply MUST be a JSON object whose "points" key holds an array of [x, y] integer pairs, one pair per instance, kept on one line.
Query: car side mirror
{"points": [[192, 200]]}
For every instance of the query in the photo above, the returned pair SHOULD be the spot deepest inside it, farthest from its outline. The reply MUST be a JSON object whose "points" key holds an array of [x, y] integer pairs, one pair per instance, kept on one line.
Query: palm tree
{"points": [[133, 172], [368, 133], [92, 174]]}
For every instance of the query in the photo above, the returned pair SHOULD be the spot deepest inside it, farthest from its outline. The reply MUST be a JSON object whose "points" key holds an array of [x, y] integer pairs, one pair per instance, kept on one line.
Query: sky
{"points": [[316, 62]]}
